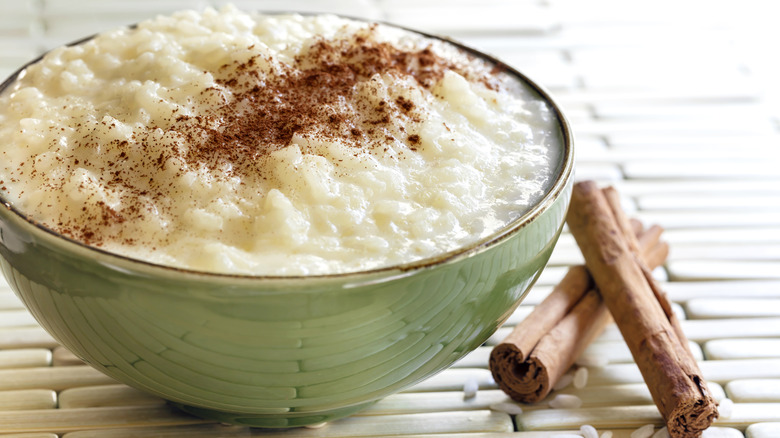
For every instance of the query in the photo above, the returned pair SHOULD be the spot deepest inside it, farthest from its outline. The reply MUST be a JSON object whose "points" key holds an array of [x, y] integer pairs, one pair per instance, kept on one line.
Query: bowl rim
{"points": [[563, 174]]}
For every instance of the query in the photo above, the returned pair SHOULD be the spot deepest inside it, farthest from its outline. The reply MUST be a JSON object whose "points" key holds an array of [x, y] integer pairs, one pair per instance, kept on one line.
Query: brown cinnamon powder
{"points": [[316, 95]]}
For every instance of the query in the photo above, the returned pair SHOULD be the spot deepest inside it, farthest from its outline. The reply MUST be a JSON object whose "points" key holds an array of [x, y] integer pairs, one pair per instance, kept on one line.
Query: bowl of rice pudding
{"points": [[275, 220]]}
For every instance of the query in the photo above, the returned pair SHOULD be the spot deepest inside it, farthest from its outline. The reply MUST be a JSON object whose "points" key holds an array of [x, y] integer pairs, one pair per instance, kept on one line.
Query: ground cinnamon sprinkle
{"points": [[316, 95]]}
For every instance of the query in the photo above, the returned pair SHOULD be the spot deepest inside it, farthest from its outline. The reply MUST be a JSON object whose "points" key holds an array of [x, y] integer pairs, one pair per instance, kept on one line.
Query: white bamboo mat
{"points": [[675, 103]]}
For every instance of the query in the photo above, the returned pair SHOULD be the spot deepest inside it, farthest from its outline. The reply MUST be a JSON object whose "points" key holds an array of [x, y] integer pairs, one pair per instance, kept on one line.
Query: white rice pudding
{"points": [[272, 145]]}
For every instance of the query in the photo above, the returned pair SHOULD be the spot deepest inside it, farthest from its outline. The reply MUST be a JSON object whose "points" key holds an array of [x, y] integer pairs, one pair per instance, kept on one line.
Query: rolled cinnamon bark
{"points": [[540, 349], [529, 379], [627, 229], [524, 337], [641, 312]]}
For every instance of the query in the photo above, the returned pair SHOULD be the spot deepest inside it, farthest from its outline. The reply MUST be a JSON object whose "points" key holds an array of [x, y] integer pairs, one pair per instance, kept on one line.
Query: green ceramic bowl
{"points": [[280, 351]]}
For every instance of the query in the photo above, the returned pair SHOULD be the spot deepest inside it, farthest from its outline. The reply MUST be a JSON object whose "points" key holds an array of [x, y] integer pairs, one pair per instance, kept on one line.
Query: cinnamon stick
{"points": [[622, 221], [531, 379], [540, 349], [546, 314], [641, 312]]}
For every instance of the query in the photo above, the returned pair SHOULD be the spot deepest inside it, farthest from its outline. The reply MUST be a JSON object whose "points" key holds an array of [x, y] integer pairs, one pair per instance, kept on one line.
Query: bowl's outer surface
{"points": [[271, 352]]}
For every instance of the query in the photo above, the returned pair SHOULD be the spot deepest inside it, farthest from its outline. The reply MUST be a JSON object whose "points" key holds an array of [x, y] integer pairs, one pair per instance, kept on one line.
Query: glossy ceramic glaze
{"points": [[276, 351]]}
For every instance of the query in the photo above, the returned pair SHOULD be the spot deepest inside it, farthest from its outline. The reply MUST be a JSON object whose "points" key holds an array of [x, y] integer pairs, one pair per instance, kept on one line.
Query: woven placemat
{"points": [[674, 109]]}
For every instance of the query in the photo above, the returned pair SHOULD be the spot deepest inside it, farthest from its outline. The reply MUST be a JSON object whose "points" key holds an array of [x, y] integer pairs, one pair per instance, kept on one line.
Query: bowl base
{"points": [[272, 421]]}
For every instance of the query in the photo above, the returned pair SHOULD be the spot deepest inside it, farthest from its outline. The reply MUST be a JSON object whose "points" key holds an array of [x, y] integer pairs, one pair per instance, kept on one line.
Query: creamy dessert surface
{"points": [[272, 145]]}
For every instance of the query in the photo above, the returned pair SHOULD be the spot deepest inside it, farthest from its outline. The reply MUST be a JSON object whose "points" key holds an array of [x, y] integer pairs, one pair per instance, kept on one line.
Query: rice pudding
{"points": [[241, 143]]}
